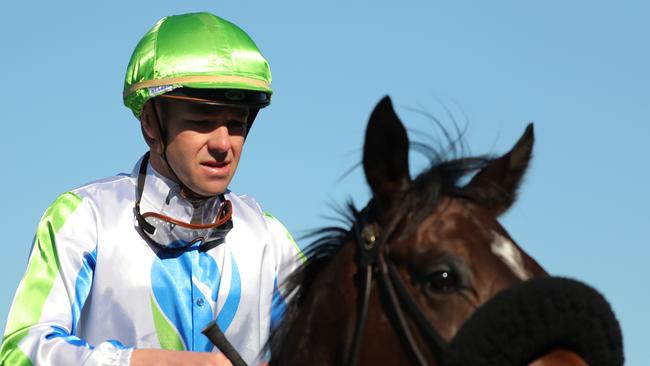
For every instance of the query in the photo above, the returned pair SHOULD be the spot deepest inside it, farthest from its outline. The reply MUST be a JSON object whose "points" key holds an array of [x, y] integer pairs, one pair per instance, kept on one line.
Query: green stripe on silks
{"points": [[300, 255], [33, 290], [167, 335]]}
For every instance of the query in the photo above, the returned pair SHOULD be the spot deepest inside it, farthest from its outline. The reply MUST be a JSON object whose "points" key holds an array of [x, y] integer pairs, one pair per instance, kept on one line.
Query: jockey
{"points": [[129, 269]]}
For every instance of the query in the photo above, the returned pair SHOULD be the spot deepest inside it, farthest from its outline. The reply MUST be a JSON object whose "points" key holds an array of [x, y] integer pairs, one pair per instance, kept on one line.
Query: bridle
{"points": [[373, 261]]}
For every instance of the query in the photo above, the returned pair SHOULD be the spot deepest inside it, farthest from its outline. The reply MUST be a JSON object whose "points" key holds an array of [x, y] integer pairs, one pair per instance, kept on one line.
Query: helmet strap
{"points": [[252, 113], [163, 139]]}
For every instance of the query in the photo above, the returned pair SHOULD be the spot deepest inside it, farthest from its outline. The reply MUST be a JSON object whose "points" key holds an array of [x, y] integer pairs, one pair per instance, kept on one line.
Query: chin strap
{"points": [[252, 113], [163, 139], [150, 229]]}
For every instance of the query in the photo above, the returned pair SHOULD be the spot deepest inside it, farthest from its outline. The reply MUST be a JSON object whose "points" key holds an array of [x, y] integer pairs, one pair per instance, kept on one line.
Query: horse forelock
{"points": [[442, 178]]}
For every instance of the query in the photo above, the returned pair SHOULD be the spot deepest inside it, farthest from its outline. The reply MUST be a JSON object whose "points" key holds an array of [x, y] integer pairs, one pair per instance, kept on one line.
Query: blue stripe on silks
{"points": [[117, 344], [227, 313], [58, 332], [208, 275], [82, 286], [171, 280], [202, 315], [278, 306]]}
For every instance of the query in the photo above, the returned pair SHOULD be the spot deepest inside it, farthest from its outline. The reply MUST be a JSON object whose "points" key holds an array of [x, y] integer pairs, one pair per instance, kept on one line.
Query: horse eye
{"points": [[443, 280]]}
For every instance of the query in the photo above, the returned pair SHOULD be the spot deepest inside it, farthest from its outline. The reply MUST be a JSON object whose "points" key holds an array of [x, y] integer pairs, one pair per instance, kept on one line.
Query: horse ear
{"points": [[385, 153], [495, 186]]}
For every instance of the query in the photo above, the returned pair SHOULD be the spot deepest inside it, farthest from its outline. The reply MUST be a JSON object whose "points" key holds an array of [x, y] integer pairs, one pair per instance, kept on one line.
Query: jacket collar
{"points": [[162, 195]]}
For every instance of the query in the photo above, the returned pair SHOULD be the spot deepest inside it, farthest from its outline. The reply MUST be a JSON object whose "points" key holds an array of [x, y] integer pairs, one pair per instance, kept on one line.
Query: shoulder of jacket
{"points": [[250, 204], [245, 200], [110, 184]]}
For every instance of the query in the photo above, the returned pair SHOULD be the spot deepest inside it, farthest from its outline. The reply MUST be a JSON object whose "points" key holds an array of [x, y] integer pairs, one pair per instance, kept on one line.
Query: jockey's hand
{"points": [[161, 357]]}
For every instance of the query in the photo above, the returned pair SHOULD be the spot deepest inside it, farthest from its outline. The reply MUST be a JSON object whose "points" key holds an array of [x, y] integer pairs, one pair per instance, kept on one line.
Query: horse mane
{"points": [[443, 177]]}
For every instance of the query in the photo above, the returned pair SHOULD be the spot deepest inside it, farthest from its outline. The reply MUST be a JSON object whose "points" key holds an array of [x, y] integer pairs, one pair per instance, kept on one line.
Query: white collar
{"points": [[162, 195]]}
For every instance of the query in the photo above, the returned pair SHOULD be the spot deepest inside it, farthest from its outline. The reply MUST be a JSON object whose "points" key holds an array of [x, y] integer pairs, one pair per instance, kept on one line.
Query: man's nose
{"points": [[219, 139]]}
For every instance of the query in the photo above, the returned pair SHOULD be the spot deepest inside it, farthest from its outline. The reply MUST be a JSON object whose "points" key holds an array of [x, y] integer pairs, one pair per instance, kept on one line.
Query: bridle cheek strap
{"points": [[362, 314], [370, 260], [433, 338], [403, 327], [367, 250]]}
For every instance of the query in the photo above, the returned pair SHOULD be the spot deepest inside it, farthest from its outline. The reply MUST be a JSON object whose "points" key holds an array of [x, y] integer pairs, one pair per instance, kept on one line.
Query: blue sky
{"points": [[579, 70]]}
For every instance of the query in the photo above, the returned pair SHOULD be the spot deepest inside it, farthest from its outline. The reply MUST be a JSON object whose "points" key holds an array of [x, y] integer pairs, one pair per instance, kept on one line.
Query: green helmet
{"points": [[197, 51]]}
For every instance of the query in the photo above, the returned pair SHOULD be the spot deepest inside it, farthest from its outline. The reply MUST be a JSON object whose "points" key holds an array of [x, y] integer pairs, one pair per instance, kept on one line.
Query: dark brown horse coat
{"points": [[442, 236]]}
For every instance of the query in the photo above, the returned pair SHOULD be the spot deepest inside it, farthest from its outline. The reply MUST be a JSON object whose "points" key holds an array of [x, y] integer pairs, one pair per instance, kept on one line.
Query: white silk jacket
{"points": [[94, 290]]}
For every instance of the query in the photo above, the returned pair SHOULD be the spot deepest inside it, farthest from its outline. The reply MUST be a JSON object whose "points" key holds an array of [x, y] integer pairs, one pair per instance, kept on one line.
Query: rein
{"points": [[372, 262]]}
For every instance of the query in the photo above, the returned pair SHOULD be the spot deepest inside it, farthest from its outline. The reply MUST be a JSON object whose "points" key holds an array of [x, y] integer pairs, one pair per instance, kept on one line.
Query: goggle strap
{"points": [[223, 221], [150, 229], [224, 215]]}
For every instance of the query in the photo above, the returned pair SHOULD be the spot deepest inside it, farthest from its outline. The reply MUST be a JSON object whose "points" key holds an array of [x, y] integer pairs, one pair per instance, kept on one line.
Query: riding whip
{"points": [[216, 336]]}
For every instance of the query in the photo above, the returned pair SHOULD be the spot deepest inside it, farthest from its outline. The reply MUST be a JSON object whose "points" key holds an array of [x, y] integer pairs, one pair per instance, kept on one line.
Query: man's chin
{"points": [[210, 190], [214, 187]]}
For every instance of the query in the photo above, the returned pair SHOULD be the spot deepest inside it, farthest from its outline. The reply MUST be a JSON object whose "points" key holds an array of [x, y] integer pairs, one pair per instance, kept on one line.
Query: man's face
{"points": [[204, 143]]}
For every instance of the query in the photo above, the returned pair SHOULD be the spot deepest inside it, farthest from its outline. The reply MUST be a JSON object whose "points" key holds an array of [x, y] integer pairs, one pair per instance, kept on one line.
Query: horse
{"points": [[434, 245]]}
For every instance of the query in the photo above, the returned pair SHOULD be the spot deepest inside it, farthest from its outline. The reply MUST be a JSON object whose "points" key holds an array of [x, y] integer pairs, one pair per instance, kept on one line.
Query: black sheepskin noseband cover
{"points": [[530, 319]]}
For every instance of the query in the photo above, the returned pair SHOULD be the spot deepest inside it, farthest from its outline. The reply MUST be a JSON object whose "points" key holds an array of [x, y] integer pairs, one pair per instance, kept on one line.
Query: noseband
{"points": [[373, 261]]}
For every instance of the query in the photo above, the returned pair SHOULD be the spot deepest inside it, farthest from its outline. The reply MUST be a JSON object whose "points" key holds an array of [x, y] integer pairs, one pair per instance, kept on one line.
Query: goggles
{"points": [[169, 233], [224, 97]]}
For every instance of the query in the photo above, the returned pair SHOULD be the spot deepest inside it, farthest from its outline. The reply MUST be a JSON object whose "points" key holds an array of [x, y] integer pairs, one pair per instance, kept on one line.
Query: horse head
{"points": [[449, 246], [434, 243]]}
